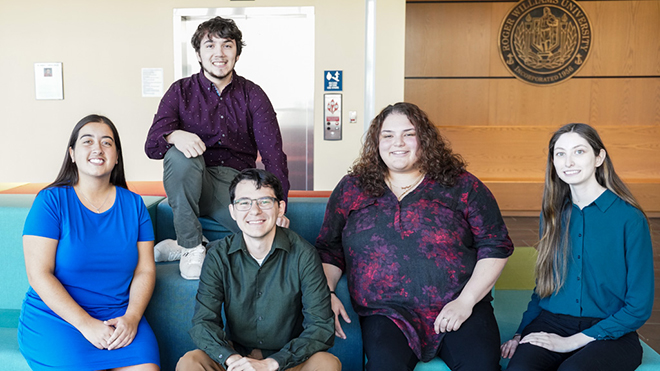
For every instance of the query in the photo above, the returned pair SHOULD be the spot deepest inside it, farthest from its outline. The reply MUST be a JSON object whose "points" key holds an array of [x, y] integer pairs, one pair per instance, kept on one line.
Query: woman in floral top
{"points": [[422, 242]]}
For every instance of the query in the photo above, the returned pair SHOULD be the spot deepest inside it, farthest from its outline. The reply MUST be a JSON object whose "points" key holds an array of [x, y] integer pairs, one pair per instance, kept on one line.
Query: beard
{"points": [[214, 75]]}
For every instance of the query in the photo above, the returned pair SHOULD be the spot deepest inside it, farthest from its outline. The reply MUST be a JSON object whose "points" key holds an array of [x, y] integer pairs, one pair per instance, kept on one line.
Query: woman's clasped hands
{"points": [[112, 334]]}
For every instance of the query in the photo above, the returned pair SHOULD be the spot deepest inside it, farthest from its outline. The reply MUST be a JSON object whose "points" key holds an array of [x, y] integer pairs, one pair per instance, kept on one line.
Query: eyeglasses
{"points": [[264, 203]]}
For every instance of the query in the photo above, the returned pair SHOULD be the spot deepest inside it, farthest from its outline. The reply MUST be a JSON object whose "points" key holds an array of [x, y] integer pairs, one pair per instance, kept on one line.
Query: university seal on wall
{"points": [[545, 42]]}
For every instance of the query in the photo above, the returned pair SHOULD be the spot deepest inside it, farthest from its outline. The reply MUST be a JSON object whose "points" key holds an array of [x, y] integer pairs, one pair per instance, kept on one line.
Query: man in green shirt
{"points": [[271, 282]]}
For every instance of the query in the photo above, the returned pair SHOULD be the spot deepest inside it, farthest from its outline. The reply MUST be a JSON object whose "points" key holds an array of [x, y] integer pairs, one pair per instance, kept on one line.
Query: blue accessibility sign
{"points": [[333, 80]]}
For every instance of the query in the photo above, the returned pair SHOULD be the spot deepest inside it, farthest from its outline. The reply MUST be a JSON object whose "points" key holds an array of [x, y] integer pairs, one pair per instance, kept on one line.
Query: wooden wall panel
{"points": [[518, 153], [516, 198], [462, 1], [502, 125], [500, 102], [448, 39], [460, 39], [451, 102], [648, 195], [520, 198], [511, 162], [625, 102], [493, 153], [524, 198], [625, 39]]}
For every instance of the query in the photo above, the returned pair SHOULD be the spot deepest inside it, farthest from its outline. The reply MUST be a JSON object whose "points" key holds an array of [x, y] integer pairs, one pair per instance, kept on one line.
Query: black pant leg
{"points": [[534, 358], [385, 345], [622, 354], [476, 344]]}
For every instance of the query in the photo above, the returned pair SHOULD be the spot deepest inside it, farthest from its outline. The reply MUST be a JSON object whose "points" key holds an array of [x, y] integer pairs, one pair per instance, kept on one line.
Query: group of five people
{"points": [[420, 239]]}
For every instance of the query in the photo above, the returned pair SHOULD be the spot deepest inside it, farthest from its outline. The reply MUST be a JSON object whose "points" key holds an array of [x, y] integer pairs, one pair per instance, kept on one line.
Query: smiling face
{"points": [[256, 224], [94, 153], [398, 144], [575, 161], [217, 57]]}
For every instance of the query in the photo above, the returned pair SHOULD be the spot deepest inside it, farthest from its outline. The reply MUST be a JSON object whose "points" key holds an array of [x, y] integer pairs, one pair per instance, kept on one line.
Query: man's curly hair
{"points": [[435, 157], [223, 28]]}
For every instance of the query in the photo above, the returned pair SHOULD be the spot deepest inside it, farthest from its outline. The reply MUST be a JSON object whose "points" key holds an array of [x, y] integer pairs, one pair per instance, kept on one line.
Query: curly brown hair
{"points": [[435, 157], [223, 28]]}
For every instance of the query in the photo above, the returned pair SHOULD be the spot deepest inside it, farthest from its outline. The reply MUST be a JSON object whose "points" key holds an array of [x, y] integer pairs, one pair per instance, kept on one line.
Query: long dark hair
{"points": [[553, 248], [68, 175], [435, 157]]}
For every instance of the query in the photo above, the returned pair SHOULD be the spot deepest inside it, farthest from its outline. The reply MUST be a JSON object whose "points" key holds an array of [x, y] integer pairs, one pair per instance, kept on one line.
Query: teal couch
{"points": [[13, 210], [172, 304], [306, 216]]}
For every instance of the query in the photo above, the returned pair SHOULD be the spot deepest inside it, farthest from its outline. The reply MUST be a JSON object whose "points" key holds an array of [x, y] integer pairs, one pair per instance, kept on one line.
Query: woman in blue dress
{"points": [[594, 285], [88, 244]]}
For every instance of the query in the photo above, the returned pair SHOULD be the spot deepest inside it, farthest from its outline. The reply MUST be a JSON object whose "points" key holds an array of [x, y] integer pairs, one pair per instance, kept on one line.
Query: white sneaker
{"points": [[167, 251], [191, 262]]}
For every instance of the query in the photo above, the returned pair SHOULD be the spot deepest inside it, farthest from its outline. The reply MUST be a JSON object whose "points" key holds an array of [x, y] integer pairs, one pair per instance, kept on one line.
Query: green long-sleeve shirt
{"points": [[281, 307]]}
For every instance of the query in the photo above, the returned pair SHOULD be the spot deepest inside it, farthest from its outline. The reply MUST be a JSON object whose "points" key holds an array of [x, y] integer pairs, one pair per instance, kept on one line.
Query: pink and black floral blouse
{"points": [[407, 259]]}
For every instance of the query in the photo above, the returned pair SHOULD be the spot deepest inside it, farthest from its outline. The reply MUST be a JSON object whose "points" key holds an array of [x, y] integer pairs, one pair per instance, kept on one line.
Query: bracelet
{"points": [[333, 293]]}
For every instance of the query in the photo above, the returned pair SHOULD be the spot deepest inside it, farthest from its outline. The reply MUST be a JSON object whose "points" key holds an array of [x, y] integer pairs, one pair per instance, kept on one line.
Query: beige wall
{"points": [[103, 46]]}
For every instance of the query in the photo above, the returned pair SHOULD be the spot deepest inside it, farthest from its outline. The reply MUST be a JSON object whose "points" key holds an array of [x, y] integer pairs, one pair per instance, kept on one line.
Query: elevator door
{"points": [[279, 57]]}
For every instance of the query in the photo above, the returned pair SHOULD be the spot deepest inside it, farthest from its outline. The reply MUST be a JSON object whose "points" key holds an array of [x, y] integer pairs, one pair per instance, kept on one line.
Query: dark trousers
{"points": [[624, 353], [195, 190], [475, 346]]}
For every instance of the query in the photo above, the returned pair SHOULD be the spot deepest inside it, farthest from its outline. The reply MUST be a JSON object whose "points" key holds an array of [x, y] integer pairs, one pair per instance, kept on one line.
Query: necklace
{"points": [[405, 189], [98, 209]]}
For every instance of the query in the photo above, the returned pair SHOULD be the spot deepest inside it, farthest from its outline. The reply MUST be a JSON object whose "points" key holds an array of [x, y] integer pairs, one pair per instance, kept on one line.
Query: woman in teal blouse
{"points": [[594, 270]]}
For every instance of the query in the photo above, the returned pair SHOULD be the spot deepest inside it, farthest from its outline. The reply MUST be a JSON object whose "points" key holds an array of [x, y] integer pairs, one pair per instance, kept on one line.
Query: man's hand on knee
{"points": [[188, 143]]}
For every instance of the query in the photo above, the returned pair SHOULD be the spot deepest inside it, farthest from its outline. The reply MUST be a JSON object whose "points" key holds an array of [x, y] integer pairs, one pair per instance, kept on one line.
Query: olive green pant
{"points": [[193, 190]]}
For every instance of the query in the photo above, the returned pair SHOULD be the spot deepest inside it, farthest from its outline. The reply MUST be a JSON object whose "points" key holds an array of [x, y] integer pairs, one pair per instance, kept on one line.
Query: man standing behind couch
{"points": [[208, 127], [271, 282]]}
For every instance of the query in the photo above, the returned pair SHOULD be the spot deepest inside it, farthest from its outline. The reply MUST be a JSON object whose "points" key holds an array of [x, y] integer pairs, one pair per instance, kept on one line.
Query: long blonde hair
{"points": [[553, 248]]}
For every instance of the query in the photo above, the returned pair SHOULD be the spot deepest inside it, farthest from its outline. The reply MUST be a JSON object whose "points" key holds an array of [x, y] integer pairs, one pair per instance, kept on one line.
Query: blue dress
{"points": [[95, 261]]}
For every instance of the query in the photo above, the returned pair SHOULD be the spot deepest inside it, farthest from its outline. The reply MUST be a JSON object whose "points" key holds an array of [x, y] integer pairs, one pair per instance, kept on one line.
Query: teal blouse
{"points": [[610, 269]]}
